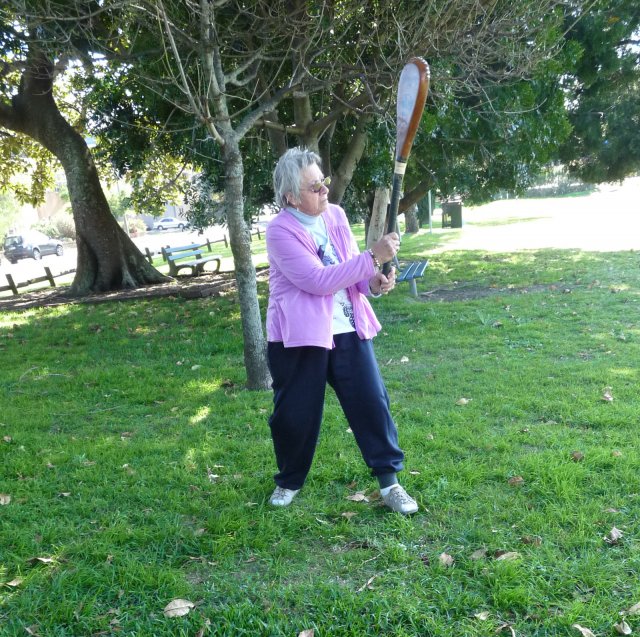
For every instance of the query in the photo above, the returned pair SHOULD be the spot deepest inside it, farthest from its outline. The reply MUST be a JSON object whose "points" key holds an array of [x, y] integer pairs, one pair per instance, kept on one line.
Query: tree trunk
{"points": [[255, 347], [415, 195], [107, 258], [411, 225], [378, 223], [344, 173], [303, 119]]}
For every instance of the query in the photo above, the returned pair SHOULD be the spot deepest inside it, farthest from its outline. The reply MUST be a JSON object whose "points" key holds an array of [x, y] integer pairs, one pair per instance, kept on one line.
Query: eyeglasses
{"points": [[316, 186]]}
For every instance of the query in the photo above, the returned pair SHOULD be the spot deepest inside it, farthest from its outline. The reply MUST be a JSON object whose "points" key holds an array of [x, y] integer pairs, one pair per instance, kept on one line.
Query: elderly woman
{"points": [[319, 329]]}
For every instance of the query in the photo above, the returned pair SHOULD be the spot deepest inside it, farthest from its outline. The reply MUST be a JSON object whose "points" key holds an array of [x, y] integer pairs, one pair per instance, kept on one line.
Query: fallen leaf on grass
{"points": [[445, 559], [634, 610], [615, 535], [15, 582], [508, 556], [348, 514], [480, 554], [358, 497], [5, 499], [367, 584], [534, 540], [483, 616], [32, 630], [623, 628], [463, 401], [306, 633], [585, 632], [41, 560], [404, 359], [607, 396], [178, 608]]}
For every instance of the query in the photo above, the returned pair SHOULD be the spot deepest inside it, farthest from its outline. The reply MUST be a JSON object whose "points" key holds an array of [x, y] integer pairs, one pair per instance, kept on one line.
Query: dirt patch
{"points": [[185, 287], [473, 292]]}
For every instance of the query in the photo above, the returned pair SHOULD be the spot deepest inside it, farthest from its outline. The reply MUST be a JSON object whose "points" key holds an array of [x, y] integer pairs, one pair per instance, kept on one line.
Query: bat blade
{"points": [[413, 87]]}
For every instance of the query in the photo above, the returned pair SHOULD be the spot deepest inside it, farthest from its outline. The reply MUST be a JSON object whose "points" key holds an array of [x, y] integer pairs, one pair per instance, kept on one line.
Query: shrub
{"points": [[136, 225], [59, 226]]}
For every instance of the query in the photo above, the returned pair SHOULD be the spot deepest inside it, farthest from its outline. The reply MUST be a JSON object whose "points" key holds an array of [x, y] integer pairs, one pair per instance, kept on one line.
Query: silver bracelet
{"points": [[375, 259]]}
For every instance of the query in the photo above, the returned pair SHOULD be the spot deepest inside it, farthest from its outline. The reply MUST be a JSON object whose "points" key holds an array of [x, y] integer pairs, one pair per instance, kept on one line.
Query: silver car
{"points": [[169, 223]]}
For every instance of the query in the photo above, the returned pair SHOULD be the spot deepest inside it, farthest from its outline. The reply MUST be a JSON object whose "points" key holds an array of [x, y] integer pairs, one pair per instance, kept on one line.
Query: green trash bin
{"points": [[452, 214]]}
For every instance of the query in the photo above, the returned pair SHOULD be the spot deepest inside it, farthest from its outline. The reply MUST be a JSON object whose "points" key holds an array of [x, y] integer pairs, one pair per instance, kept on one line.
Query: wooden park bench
{"points": [[174, 258], [410, 272]]}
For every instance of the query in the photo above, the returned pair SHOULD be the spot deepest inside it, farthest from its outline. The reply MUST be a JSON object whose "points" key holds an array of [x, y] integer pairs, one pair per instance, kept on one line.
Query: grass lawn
{"points": [[135, 468]]}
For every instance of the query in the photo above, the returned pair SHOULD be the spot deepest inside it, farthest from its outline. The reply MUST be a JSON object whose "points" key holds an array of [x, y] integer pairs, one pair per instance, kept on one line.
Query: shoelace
{"points": [[399, 494]]}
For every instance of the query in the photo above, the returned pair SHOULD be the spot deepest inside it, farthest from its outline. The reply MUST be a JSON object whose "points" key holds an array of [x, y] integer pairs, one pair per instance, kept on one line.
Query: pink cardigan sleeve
{"points": [[294, 253]]}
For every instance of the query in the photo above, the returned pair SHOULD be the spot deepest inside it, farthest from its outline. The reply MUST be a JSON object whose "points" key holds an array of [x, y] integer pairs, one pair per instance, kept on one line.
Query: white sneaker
{"points": [[400, 501], [282, 497]]}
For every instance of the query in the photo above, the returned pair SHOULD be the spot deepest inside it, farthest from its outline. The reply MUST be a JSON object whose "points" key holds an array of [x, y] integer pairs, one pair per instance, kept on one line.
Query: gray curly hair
{"points": [[286, 175]]}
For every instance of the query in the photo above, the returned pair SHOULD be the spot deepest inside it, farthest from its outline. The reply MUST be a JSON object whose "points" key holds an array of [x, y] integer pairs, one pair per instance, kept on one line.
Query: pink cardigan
{"points": [[301, 289]]}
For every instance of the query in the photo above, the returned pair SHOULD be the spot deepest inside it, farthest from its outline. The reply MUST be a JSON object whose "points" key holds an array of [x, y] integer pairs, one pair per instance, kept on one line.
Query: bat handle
{"points": [[392, 218]]}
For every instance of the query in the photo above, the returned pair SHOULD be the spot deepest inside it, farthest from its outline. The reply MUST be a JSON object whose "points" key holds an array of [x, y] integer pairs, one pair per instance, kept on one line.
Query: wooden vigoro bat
{"points": [[413, 87]]}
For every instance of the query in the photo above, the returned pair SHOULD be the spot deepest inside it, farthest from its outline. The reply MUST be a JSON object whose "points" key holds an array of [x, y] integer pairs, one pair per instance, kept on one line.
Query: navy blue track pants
{"points": [[300, 376]]}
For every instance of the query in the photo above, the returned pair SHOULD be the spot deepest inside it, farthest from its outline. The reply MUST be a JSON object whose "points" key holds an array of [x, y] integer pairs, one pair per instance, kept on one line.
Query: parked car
{"points": [[167, 223], [30, 245]]}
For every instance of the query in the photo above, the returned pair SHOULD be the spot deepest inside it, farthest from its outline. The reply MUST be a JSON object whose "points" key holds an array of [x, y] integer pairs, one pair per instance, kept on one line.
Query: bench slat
{"points": [[406, 273], [193, 246], [422, 266], [183, 255], [413, 270]]}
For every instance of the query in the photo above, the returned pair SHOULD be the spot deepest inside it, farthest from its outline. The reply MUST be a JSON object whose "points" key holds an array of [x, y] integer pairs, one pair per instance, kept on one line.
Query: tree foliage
{"points": [[603, 89], [36, 46]]}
